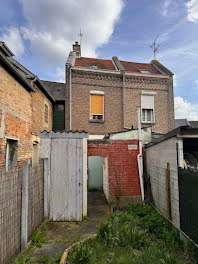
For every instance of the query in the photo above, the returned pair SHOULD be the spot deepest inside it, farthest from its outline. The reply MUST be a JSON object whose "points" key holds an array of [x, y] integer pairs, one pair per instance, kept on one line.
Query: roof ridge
{"points": [[135, 62], [52, 81], [94, 58]]}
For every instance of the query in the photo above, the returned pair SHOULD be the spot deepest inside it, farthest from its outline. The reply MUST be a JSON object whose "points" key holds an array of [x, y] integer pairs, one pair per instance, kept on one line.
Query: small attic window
{"points": [[144, 71], [94, 67]]}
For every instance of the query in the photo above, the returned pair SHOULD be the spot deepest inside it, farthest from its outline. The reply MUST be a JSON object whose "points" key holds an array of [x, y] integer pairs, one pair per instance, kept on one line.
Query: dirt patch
{"points": [[60, 235]]}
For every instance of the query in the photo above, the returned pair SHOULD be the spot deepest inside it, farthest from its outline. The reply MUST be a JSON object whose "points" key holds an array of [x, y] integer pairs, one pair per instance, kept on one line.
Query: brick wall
{"points": [[111, 84], [21, 116], [122, 165]]}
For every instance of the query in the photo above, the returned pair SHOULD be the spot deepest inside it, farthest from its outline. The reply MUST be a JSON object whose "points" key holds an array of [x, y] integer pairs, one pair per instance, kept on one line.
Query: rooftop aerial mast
{"points": [[155, 47]]}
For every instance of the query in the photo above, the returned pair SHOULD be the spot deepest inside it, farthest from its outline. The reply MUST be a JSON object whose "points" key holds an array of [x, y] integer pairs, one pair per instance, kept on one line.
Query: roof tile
{"points": [[136, 67], [88, 62]]}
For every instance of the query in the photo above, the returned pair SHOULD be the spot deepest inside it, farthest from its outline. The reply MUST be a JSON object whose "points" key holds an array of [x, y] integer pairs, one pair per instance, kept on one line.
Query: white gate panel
{"points": [[66, 179]]}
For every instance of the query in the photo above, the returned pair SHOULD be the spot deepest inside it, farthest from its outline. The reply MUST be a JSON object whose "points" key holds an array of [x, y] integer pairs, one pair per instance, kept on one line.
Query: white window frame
{"points": [[146, 120], [90, 115], [149, 93]]}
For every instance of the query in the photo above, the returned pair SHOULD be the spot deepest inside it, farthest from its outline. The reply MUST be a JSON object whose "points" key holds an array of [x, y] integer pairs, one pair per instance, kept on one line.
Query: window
{"points": [[144, 71], [46, 114], [97, 106], [35, 154], [94, 67], [147, 115], [147, 106], [11, 154], [59, 107]]}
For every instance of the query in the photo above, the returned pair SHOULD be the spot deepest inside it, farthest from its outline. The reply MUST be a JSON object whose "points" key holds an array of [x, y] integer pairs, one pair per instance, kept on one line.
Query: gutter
{"points": [[70, 99], [47, 94]]}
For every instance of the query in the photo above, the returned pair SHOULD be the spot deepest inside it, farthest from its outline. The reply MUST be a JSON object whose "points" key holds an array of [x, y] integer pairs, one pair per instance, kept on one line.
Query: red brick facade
{"points": [[84, 81], [122, 165], [21, 116]]}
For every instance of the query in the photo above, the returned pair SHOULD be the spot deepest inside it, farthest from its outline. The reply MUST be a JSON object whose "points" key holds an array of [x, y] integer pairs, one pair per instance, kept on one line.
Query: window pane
{"points": [[59, 107], [149, 115], [97, 104], [143, 114]]}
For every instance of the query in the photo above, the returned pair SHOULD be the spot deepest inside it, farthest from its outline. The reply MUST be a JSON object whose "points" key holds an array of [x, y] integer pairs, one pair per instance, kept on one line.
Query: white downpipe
{"points": [[70, 100], [139, 156]]}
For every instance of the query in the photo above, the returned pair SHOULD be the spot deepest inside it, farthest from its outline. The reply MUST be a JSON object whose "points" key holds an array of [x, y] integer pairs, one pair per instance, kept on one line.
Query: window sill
{"points": [[97, 121], [150, 123]]}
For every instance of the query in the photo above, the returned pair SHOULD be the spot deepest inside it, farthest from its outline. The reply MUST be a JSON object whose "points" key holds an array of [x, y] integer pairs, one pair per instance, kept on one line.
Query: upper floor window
{"points": [[147, 106], [97, 105], [46, 110]]}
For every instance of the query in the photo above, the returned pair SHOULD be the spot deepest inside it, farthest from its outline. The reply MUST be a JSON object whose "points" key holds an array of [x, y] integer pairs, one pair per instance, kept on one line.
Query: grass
{"points": [[138, 235]]}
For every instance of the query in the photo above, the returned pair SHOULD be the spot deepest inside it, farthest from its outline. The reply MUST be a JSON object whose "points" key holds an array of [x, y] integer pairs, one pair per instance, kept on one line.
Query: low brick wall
{"points": [[122, 168]]}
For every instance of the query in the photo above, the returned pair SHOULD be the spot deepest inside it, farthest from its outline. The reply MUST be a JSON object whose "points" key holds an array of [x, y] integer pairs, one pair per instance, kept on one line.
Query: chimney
{"points": [[76, 48]]}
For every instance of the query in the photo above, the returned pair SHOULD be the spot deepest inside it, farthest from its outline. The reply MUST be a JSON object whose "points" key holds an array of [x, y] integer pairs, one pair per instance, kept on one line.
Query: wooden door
{"points": [[66, 179]]}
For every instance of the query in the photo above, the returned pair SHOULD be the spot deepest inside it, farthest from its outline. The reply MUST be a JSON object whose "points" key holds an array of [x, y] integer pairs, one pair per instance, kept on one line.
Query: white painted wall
{"points": [[133, 134], [157, 157]]}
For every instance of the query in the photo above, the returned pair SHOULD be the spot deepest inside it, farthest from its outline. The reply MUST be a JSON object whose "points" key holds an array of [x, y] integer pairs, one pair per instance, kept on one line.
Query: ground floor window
{"points": [[11, 154]]}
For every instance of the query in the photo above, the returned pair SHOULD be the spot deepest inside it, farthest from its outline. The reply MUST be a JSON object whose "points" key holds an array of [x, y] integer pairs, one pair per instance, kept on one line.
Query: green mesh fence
{"points": [[188, 202]]}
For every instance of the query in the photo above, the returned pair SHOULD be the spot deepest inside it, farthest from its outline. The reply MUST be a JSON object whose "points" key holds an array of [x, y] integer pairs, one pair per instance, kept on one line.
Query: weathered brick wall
{"points": [[111, 85], [38, 107], [21, 116], [122, 165]]}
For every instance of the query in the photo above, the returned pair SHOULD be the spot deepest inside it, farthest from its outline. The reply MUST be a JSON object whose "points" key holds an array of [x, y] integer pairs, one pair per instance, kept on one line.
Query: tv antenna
{"points": [[155, 47], [81, 36]]}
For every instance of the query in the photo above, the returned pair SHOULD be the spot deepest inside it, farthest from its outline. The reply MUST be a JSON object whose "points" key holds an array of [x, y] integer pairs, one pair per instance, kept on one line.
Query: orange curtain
{"points": [[96, 104]]}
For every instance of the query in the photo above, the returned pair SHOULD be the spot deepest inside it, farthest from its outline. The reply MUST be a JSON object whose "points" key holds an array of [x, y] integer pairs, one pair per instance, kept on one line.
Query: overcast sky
{"points": [[41, 33]]}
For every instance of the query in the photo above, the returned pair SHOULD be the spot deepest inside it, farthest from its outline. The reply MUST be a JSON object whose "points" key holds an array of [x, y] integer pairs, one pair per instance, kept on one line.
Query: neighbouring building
{"points": [[102, 95], [25, 110]]}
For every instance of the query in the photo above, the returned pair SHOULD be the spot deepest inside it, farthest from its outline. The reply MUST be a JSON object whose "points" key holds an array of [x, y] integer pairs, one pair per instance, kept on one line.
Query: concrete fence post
{"points": [[24, 212], [168, 191], [46, 187]]}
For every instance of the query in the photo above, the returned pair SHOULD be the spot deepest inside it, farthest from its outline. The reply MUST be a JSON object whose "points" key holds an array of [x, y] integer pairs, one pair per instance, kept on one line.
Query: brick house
{"points": [[102, 95], [25, 110]]}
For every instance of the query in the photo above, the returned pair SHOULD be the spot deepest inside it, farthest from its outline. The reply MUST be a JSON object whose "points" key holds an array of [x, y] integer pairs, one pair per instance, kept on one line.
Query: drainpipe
{"points": [[70, 99], [139, 156], [32, 81], [123, 100]]}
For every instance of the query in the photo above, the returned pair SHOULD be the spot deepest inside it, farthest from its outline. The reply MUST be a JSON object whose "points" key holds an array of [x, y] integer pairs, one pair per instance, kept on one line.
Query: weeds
{"points": [[137, 235], [81, 254]]}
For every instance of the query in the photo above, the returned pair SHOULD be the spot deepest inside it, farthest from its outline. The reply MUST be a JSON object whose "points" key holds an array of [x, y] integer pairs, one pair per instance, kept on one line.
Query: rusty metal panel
{"points": [[66, 179]]}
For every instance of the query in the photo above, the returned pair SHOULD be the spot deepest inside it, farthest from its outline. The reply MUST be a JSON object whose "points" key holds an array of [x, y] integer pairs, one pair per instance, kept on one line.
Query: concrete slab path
{"points": [[61, 235]]}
